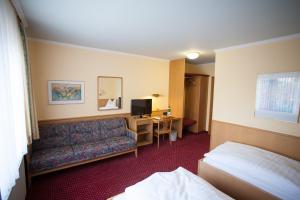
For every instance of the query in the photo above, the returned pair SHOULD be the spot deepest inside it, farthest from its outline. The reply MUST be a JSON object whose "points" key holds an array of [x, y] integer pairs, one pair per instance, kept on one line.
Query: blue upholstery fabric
{"points": [[52, 136], [84, 132], [113, 127], [67, 143], [90, 150], [51, 158], [120, 143]]}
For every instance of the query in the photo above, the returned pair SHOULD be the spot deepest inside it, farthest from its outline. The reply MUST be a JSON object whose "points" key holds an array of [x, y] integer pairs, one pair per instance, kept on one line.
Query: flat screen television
{"points": [[141, 107]]}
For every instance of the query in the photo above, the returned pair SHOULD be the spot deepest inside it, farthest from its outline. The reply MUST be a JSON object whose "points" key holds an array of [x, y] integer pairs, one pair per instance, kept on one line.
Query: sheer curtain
{"points": [[278, 96], [30, 107], [13, 141]]}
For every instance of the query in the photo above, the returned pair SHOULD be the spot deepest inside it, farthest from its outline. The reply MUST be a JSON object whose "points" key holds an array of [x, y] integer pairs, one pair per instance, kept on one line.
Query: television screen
{"points": [[141, 106]]}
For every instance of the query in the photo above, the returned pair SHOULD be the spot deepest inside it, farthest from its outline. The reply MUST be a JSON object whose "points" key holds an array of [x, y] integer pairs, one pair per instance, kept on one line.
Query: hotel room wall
{"points": [[236, 71], [207, 69], [142, 76]]}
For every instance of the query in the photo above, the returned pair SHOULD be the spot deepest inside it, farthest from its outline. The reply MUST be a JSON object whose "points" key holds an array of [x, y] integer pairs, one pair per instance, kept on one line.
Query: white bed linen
{"points": [[177, 185], [269, 171]]}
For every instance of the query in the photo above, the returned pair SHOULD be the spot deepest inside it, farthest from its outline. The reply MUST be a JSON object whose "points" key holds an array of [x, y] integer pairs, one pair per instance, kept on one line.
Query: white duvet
{"points": [[269, 171], [177, 185]]}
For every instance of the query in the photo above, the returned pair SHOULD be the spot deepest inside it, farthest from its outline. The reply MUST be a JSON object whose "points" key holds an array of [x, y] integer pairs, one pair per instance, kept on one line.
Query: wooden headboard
{"points": [[283, 144], [102, 102]]}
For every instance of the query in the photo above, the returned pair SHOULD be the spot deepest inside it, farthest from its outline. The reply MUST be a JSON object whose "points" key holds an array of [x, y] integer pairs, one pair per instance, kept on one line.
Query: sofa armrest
{"points": [[131, 134]]}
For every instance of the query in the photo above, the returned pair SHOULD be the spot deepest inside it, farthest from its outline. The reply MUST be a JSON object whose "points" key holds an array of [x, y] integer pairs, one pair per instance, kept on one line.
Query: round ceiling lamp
{"points": [[192, 55]]}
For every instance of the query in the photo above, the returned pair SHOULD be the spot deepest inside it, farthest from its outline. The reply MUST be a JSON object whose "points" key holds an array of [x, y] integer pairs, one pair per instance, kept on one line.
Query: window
{"points": [[278, 96]]}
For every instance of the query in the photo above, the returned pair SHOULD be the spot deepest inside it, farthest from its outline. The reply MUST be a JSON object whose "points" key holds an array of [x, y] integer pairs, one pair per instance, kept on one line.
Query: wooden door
{"points": [[176, 87], [211, 103], [202, 117], [192, 101]]}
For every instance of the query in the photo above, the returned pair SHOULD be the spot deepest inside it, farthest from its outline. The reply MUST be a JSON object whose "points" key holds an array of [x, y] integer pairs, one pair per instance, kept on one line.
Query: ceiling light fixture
{"points": [[192, 55]]}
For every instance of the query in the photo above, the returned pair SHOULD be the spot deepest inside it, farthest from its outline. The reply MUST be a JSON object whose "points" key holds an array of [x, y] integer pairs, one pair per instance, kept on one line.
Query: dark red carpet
{"points": [[106, 178]]}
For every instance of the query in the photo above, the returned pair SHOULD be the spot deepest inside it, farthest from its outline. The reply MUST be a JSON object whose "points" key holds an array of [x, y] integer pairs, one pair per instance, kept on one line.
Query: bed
{"points": [[247, 167], [176, 185]]}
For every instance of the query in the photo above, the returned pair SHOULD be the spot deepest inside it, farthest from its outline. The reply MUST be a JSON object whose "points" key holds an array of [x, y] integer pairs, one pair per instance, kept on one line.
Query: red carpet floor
{"points": [[106, 178]]}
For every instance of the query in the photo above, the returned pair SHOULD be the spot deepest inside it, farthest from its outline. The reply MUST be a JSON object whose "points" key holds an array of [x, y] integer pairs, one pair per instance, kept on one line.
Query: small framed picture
{"points": [[65, 92]]}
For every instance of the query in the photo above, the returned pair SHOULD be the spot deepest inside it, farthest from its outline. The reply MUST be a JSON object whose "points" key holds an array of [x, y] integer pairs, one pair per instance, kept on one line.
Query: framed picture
{"points": [[65, 92], [278, 96]]}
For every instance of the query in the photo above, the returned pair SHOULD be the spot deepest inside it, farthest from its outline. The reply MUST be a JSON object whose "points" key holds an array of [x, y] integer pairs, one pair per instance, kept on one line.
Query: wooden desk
{"points": [[176, 124]]}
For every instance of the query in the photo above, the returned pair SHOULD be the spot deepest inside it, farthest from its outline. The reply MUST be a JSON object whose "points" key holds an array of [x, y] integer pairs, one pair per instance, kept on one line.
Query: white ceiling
{"points": [[161, 28]]}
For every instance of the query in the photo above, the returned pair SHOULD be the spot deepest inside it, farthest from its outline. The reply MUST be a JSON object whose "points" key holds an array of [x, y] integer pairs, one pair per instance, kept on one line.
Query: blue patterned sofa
{"points": [[63, 145]]}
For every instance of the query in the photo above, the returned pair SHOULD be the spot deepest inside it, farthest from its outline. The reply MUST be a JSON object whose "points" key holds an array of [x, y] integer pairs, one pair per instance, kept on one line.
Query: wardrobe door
{"points": [[192, 96], [176, 87], [202, 117]]}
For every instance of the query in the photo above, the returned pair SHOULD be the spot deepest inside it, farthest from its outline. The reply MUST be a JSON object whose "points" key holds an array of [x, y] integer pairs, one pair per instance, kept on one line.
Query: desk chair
{"points": [[164, 127]]}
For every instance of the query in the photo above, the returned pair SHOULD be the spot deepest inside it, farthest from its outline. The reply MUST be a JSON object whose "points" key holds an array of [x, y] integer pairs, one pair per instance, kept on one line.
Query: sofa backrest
{"points": [[51, 136], [113, 127], [85, 132]]}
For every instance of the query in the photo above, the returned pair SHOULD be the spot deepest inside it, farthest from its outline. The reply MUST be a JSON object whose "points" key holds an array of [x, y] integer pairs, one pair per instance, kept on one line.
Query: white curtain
{"points": [[278, 96], [13, 141], [30, 107]]}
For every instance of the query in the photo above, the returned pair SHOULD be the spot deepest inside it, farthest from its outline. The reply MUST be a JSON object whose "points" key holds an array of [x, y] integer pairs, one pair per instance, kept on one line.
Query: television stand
{"points": [[144, 129]]}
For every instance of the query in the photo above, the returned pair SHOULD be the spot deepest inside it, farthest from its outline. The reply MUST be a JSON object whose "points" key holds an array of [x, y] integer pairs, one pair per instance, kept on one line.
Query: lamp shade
{"points": [[192, 55]]}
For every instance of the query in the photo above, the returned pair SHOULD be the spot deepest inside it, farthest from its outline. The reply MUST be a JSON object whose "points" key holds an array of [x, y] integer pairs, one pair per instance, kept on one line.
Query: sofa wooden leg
{"points": [[135, 152]]}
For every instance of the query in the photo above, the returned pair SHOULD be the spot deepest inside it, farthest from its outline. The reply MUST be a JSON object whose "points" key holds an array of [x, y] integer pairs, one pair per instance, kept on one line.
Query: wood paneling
{"points": [[87, 118], [211, 103], [158, 112], [232, 186], [176, 87], [286, 145]]}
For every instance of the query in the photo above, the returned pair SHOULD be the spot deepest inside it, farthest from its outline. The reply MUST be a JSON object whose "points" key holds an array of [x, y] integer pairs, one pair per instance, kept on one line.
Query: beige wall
{"points": [[235, 84], [207, 69], [142, 76]]}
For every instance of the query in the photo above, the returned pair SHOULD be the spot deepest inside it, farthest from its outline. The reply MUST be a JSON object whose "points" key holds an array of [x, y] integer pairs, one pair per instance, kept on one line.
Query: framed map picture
{"points": [[65, 92]]}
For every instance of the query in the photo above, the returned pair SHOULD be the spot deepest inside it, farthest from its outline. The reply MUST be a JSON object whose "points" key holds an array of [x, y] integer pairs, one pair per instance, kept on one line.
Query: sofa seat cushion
{"points": [[88, 151], [103, 147], [51, 158], [120, 143]]}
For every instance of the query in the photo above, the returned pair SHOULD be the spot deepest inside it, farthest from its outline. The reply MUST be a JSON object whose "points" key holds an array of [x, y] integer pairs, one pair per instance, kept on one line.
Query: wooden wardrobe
{"points": [[188, 101], [195, 101]]}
